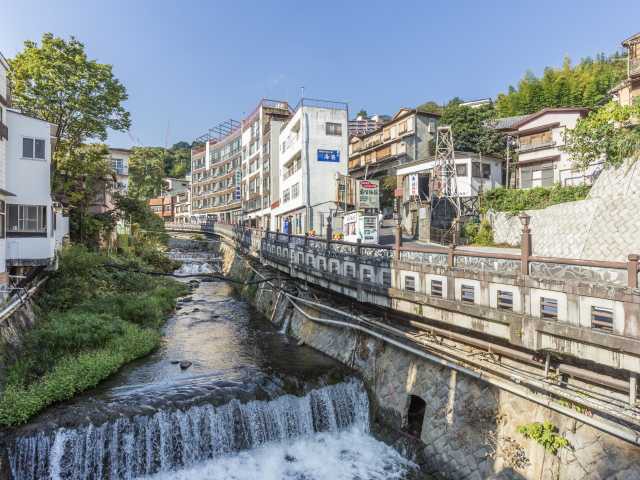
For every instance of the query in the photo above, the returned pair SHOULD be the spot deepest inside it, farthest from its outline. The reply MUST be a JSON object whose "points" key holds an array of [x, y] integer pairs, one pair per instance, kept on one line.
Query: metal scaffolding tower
{"points": [[445, 180]]}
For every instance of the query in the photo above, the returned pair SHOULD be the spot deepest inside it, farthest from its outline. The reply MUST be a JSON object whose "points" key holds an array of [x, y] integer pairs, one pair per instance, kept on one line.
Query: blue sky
{"points": [[189, 65]]}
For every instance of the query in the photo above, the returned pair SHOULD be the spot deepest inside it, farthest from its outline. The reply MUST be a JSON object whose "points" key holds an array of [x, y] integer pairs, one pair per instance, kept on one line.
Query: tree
{"points": [[610, 133], [585, 85], [177, 162], [55, 81], [430, 107], [363, 113], [470, 130], [146, 172], [85, 175]]}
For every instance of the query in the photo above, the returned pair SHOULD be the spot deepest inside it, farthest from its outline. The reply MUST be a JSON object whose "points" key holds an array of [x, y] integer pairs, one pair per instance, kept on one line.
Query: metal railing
{"points": [[620, 273]]}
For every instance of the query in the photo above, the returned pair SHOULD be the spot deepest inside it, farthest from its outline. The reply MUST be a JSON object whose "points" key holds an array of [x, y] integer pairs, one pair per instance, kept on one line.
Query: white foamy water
{"points": [[194, 269], [347, 455]]}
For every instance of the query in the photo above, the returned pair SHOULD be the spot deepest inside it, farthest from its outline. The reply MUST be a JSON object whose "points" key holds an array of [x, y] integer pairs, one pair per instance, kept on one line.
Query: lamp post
{"points": [[525, 243]]}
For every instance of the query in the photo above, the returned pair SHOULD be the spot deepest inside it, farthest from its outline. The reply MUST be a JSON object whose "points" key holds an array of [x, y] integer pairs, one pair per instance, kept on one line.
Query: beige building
{"points": [[627, 92], [408, 137]]}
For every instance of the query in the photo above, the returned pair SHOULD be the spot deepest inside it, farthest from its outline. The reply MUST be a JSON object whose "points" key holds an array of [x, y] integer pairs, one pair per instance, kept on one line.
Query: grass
{"points": [[93, 319], [515, 200]]}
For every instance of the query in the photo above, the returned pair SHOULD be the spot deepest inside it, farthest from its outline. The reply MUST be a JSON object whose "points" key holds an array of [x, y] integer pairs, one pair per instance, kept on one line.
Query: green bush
{"points": [[73, 374], [545, 434], [516, 200], [479, 233], [93, 319]]}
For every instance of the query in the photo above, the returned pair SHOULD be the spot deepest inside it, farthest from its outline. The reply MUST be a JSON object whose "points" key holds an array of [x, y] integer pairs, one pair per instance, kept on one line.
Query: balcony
{"points": [[536, 146], [634, 67]]}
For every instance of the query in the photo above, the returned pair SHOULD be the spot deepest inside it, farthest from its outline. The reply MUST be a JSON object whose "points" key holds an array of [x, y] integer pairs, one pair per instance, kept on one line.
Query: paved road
{"points": [[387, 237]]}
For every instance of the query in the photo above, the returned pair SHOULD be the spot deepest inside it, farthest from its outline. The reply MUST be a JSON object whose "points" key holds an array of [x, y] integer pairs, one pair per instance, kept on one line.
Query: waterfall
{"points": [[167, 440], [194, 268]]}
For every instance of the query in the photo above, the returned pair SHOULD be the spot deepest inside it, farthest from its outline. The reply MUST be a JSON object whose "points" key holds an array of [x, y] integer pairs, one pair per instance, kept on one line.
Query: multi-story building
{"points": [[4, 136], [313, 149], [165, 206], [362, 125], [182, 202], [260, 165], [627, 92], [118, 183], [34, 226], [215, 175], [542, 161], [408, 137]]}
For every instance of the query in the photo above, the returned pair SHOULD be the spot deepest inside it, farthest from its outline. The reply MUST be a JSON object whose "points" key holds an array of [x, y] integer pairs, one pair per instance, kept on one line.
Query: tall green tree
{"points": [[470, 130], [85, 176], [177, 162], [610, 134], [146, 172], [57, 82], [430, 107], [586, 84]]}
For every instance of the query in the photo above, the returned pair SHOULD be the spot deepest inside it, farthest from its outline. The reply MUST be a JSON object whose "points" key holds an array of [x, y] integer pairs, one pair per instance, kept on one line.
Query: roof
{"points": [[505, 123], [118, 149], [631, 39], [18, 112], [581, 110]]}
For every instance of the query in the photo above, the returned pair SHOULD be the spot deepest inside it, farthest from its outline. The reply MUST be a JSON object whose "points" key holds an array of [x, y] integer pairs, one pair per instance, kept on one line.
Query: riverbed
{"points": [[227, 396]]}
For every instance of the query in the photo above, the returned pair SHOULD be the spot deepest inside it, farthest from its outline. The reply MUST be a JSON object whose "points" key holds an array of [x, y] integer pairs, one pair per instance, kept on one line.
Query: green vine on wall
{"points": [[546, 434]]}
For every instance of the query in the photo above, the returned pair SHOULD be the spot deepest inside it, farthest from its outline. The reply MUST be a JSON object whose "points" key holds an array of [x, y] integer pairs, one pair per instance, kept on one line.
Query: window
{"points": [[333, 128], [402, 127], [295, 190], [27, 219], [300, 258], [549, 308], [33, 148], [461, 169], [310, 260], [505, 300], [366, 275], [334, 268], [486, 171], [468, 294], [602, 319], [2, 219], [386, 278], [475, 170], [410, 283], [349, 271], [321, 263], [436, 287], [286, 196]]}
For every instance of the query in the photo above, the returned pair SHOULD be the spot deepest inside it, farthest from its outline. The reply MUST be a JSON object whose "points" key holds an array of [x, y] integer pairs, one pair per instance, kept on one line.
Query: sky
{"points": [[189, 65]]}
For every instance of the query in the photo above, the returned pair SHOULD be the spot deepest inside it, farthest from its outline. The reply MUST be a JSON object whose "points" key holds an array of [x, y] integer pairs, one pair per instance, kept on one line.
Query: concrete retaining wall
{"points": [[604, 226], [470, 428]]}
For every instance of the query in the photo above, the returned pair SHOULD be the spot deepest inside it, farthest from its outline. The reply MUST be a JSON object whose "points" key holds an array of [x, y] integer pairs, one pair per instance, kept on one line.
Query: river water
{"points": [[251, 405]]}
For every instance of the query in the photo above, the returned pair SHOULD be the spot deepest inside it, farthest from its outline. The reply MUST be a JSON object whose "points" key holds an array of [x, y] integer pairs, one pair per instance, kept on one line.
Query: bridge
{"points": [[205, 228], [574, 325]]}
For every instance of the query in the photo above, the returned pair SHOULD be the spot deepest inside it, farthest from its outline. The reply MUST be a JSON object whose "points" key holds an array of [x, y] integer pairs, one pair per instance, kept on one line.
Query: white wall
{"points": [[30, 181]]}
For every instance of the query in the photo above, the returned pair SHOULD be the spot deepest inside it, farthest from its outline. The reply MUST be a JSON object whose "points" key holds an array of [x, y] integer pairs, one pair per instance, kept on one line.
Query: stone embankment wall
{"points": [[606, 225], [470, 428]]}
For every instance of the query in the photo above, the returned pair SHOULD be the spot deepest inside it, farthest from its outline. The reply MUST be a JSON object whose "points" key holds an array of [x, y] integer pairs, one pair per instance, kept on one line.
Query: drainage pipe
{"points": [[620, 432]]}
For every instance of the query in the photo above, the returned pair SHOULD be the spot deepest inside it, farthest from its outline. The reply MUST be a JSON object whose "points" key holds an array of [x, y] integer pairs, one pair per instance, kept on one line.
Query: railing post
{"points": [[525, 244], [451, 255], [329, 229], [632, 270]]}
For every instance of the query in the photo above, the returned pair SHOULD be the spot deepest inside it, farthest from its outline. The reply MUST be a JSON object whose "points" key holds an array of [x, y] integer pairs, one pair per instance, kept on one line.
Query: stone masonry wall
{"points": [[12, 331], [606, 225], [470, 427]]}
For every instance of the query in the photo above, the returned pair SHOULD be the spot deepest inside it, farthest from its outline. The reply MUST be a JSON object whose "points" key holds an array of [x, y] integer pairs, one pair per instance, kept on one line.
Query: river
{"points": [[252, 404]]}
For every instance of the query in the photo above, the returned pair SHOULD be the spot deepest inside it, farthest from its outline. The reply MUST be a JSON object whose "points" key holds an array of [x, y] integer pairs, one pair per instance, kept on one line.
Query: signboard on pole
{"points": [[368, 194], [414, 190]]}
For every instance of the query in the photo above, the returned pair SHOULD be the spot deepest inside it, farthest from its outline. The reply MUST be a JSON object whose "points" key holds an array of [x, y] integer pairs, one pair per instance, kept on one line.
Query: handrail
{"points": [[631, 266]]}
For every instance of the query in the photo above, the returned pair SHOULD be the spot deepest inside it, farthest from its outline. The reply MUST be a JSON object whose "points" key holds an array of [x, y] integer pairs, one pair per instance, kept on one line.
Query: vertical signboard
{"points": [[414, 189], [368, 194]]}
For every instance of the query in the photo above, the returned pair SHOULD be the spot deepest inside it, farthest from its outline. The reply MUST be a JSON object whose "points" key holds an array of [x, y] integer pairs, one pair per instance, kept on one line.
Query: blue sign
{"points": [[328, 156]]}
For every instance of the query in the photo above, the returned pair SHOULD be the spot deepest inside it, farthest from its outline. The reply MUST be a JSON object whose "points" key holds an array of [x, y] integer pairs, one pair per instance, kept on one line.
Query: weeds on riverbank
{"points": [[93, 319]]}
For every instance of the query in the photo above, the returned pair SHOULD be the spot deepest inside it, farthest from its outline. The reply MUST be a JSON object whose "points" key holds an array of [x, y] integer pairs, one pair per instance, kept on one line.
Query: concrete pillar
{"points": [[632, 270], [525, 244]]}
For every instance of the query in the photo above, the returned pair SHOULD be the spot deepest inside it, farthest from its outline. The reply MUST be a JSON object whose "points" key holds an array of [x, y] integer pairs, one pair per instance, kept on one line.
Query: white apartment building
{"points": [[313, 148], [260, 163], [4, 136], [35, 228], [541, 160]]}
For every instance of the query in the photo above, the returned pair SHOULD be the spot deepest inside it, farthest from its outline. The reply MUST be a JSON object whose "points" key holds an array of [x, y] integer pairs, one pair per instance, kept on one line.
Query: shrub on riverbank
{"points": [[97, 313], [515, 200]]}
